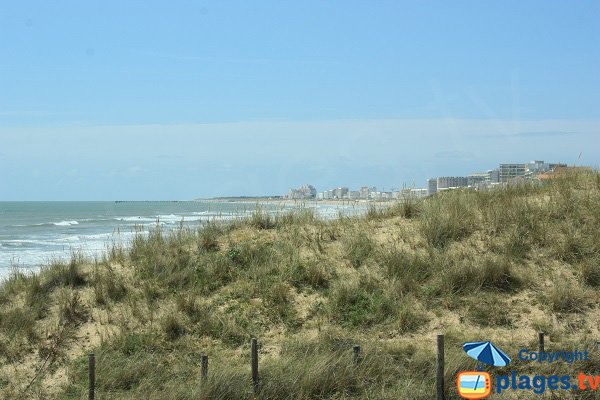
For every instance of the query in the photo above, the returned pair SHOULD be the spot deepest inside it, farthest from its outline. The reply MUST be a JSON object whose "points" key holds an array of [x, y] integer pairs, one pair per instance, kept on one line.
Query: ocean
{"points": [[33, 234]]}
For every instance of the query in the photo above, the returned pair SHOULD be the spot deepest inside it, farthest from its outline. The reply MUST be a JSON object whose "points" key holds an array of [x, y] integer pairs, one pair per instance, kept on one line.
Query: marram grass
{"points": [[498, 265]]}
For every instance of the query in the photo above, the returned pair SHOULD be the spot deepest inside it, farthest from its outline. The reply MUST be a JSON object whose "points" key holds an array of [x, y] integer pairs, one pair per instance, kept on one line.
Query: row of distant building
{"points": [[504, 174], [364, 193], [344, 193]]}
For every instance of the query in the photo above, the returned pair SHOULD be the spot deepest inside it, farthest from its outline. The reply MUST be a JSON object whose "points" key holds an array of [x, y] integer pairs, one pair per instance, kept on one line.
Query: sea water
{"points": [[33, 234]]}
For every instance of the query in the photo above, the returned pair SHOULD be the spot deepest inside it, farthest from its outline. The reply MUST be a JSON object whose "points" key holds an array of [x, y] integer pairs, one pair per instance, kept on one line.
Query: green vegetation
{"points": [[496, 265]]}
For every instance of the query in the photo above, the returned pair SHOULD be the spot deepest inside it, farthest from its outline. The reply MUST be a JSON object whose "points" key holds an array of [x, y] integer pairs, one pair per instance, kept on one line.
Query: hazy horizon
{"points": [[144, 101]]}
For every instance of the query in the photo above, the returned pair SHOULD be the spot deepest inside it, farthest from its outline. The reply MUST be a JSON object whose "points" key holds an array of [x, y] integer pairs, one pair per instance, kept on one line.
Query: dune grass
{"points": [[496, 265]]}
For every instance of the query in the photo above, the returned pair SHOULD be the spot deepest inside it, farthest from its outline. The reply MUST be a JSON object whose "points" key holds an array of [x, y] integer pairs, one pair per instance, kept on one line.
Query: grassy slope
{"points": [[498, 266]]}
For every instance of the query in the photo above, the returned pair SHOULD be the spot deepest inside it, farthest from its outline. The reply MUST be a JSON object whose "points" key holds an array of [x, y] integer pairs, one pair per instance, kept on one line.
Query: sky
{"points": [[185, 99]]}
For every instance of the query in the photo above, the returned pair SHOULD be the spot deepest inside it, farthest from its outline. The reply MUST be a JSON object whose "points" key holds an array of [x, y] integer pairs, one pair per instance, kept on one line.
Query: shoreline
{"points": [[38, 242], [298, 202]]}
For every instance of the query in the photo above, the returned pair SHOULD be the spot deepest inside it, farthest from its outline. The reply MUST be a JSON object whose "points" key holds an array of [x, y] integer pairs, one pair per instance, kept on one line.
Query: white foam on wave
{"points": [[36, 249], [97, 236], [102, 237], [172, 219], [175, 219], [66, 223], [135, 219], [68, 239], [24, 242], [30, 225]]}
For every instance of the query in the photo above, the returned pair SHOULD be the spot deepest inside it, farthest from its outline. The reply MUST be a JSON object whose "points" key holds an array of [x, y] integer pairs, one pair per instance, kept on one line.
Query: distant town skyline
{"points": [[78, 163], [179, 100], [503, 174]]}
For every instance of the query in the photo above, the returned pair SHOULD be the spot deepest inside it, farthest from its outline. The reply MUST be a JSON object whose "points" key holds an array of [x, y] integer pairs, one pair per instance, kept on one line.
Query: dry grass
{"points": [[498, 265]]}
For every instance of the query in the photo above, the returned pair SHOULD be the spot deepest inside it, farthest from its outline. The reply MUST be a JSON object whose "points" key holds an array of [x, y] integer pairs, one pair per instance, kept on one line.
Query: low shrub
{"points": [[491, 273], [209, 238], [360, 304], [410, 208], [407, 269], [261, 219], [489, 311], [410, 316], [107, 285], [71, 309], [59, 274], [447, 217], [358, 247], [172, 327], [279, 303], [37, 296], [311, 273], [18, 322], [590, 271], [564, 297]]}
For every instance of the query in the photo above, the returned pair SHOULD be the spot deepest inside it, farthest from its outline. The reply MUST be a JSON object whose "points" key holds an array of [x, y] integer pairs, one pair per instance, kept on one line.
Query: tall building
{"points": [[431, 186], [418, 193], [447, 182], [304, 192], [511, 171], [354, 195], [340, 192], [477, 178], [537, 167], [494, 175], [364, 192], [309, 191]]}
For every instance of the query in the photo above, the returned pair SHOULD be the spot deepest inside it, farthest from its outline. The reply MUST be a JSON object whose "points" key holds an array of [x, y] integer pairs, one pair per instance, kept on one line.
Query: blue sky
{"points": [[182, 99]]}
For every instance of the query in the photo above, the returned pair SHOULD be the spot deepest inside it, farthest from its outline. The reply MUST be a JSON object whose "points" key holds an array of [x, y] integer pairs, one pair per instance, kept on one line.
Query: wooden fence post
{"points": [[254, 361], [356, 352], [91, 376], [439, 379], [203, 367], [541, 341]]}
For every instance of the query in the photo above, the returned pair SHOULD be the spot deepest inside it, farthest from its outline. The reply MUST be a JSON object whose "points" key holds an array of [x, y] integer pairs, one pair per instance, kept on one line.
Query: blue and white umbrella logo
{"points": [[487, 353]]}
